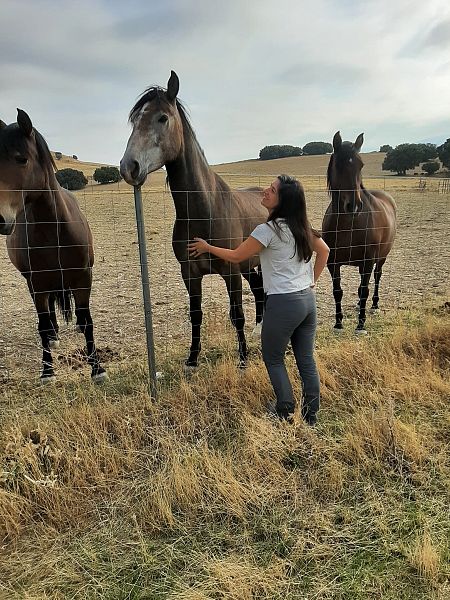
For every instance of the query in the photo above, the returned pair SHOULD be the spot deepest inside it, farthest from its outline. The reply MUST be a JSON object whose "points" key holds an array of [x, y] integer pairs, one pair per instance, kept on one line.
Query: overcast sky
{"points": [[251, 73]]}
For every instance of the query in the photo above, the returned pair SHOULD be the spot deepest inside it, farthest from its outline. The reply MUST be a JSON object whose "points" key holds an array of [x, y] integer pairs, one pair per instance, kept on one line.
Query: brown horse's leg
{"points": [[255, 281], [45, 328], [335, 272], [84, 322], [365, 271], [377, 276], [194, 288], [234, 287]]}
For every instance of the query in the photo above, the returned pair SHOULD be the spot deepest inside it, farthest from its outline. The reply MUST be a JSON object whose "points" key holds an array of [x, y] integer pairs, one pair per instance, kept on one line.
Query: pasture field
{"points": [[418, 268], [107, 495]]}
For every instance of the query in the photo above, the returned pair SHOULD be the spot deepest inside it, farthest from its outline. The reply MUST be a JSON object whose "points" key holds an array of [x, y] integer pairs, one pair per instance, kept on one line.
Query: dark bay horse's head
{"points": [[344, 173], [157, 135], [26, 166]]}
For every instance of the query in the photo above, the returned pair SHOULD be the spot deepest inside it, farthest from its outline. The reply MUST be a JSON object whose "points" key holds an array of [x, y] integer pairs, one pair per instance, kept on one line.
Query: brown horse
{"points": [[359, 225], [48, 237], [204, 204]]}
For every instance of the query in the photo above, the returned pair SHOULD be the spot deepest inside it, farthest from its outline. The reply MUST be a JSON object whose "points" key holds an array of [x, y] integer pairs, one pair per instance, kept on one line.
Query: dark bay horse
{"points": [[204, 204], [359, 225], [48, 237]]}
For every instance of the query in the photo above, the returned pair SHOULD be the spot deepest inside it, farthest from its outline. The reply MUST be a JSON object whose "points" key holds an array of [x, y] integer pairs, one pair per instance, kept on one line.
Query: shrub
{"points": [[71, 179], [270, 152], [58, 155], [314, 148], [74, 156], [386, 148], [430, 167], [107, 175]]}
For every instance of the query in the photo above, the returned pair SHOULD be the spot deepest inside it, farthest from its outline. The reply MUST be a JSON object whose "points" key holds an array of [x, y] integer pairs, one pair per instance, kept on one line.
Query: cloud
{"points": [[277, 72], [438, 37]]}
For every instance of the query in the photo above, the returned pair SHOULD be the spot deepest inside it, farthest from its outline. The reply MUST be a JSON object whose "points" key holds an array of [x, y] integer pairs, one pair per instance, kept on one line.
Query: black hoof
{"points": [[100, 376], [338, 326], [191, 364]]}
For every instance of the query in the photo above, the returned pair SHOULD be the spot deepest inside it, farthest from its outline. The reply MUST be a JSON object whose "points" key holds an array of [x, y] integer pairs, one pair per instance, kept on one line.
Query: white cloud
{"points": [[251, 73]]}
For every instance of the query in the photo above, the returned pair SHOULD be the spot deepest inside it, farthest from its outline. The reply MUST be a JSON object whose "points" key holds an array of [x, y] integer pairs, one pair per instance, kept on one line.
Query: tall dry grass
{"points": [[104, 494]]}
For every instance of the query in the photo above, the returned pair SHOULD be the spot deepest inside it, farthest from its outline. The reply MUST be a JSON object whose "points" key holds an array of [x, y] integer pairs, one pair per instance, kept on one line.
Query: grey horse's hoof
{"points": [[46, 380], [53, 343], [99, 378]]}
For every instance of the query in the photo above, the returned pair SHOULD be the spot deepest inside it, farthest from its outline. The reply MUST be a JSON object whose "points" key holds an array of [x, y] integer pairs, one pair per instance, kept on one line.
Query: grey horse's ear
{"points": [[2, 124], [24, 122], [337, 141], [173, 86], [359, 142]]}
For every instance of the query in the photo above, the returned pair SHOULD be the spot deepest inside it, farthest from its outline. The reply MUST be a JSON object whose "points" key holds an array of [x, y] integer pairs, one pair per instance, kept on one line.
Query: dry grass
{"points": [[104, 494]]}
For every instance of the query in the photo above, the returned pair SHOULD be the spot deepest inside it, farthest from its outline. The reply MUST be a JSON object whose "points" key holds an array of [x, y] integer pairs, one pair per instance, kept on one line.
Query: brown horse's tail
{"points": [[63, 299]]}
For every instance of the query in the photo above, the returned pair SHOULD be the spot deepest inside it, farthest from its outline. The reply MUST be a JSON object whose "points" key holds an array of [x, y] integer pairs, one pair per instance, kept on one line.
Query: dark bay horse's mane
{"points": [[13, 140], [159, 93]]}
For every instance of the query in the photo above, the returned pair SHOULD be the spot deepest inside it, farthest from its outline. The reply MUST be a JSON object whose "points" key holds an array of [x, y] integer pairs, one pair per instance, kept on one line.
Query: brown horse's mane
{"points": [[13, 140]]}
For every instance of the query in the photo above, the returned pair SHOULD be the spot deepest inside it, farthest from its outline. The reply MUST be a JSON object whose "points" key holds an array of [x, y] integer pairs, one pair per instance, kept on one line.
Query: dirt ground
{"points": [[417, 269]]}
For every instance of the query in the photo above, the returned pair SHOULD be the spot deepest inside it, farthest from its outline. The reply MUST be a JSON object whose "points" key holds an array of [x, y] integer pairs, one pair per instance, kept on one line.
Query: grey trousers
{"points": [[291, 317]]}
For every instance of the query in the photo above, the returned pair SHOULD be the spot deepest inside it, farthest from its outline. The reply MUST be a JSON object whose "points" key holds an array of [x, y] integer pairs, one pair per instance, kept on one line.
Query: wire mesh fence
{"points": [[417, 268]]}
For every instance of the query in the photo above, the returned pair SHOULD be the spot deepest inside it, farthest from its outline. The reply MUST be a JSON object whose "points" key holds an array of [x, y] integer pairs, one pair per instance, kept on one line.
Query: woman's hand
{"points": [[198, 247]]}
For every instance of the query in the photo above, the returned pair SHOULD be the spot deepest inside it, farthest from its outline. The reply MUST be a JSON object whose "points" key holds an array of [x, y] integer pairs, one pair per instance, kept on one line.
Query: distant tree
{"points": [[408, 156], [314, 148], [58, 155], [430, 167], [107, 175], [74, 156], [386, 148], [444, 153], [71, 179], [427, 151], [270, 152]]}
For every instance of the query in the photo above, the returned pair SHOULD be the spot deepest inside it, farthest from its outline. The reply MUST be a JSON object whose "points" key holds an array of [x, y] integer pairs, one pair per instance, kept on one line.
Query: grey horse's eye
{"points": [[163, 119], [350, 160]]}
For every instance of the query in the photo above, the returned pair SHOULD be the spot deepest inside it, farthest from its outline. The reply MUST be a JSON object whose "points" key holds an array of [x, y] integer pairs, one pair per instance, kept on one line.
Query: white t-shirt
{"points": [[282, 272]]}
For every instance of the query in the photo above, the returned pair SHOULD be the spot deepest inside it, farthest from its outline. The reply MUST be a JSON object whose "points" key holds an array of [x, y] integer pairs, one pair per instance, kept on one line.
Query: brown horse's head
{"points": [[344, 173], [157, 136], [26, 166]]}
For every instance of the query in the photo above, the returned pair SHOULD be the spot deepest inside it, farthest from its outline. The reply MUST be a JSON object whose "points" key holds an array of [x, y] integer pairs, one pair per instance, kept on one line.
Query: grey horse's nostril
{"points": [[135, 169]]}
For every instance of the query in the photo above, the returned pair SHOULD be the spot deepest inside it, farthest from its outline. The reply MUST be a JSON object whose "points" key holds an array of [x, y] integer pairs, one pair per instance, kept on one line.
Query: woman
{"points": [[285, 244]]}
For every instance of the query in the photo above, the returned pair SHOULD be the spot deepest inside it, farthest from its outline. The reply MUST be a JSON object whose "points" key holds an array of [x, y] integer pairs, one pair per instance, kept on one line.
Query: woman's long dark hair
{"points": [[292, 209]]}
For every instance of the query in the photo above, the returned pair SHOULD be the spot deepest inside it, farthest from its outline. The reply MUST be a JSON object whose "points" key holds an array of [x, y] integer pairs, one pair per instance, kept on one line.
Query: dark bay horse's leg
{"points": [[54, 338], [194, 288], [45, 328], [365, 271], [335, 272], [377, 276], [84, 322], [255, 281], [234, 287]]}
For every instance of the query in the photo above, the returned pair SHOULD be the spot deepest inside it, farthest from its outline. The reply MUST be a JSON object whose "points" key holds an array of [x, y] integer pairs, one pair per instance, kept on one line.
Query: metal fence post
{"points": [[145, 290]]}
